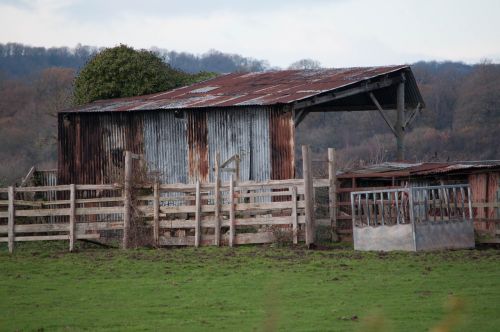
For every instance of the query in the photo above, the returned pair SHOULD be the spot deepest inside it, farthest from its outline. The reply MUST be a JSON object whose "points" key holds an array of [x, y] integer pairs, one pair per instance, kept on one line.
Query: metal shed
{"points": [[483, 178], [253, 115]]}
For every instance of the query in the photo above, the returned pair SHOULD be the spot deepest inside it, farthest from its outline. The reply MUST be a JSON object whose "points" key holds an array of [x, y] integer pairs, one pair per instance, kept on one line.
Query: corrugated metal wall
{"points": [[178, 148], [91, 145], [165, 145]]}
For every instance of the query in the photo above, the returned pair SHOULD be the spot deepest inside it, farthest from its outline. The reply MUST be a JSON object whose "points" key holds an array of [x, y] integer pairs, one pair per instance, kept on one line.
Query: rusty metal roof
{"points": [[402, 169], [240, 89]]}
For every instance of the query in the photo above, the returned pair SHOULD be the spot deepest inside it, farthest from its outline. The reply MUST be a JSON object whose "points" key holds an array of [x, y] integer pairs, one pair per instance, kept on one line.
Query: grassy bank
{"points": [[42, 286]]}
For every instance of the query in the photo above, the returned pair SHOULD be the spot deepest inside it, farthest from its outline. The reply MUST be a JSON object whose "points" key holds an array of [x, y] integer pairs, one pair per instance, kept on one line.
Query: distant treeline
{"points": [[18, 60]]}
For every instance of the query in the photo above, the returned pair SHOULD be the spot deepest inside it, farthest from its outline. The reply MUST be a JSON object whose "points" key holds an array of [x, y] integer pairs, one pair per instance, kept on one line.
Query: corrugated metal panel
{"points": [[91, 146], [245, 133], [282, 128], [398, 169], [165, 146], [260, 144], [45, 177], [197, 140], [262, 88]]}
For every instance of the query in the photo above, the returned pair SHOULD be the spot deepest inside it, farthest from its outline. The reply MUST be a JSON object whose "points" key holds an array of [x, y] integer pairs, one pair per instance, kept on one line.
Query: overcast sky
{"points": [[337, 33]]}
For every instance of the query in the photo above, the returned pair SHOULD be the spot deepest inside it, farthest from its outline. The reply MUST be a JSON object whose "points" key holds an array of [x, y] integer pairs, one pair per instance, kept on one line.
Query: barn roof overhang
{"points": [[303, 91]]}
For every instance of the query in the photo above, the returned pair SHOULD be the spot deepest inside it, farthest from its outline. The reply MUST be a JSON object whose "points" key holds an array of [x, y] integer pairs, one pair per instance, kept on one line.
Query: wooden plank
{"points": [[382, 113], [264, 194], [98, 226], [52, 237], [35, 228], [156, 213], [41, 204], [63, 227], [197, 230], [254, 238], [231, 212], [10, 222], [217, 200], [114, 186], [167, 199], [97, 200], [66, 211], [383, 83], [295, 226], [308, 194], [72, 217], [244, 238], [18, 202], [208, 222], [127, 204], [242, 207], [332, 189], [43, 188]]}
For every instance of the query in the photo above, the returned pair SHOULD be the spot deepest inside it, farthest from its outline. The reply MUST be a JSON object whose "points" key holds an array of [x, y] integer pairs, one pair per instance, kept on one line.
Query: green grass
{"points": [[44, 287]]}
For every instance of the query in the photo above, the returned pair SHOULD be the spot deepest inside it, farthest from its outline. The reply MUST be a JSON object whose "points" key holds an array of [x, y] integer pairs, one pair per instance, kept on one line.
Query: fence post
{"points": [[295, 228], [11, 230], [308, 194], [237, 161], [197, 229], [127, 198], [156, 213], [72, 216], [332, 191], [217, 200], [231, 211]]}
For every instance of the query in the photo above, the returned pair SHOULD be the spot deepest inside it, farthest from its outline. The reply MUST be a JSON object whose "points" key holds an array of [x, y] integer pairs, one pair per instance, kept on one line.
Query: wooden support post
{"points": [[332, 192], [217, 200], [156, 214], [308, 194], [400, 120], [72, 217], [197, 216], [231, 212], [237, 161], [10, 226], [295, 224], [127, 199]]}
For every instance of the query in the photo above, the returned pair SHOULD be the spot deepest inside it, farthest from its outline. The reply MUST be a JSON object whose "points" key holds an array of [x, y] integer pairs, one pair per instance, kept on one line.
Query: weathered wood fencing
{"points": [[218, 213], [77, 212]]}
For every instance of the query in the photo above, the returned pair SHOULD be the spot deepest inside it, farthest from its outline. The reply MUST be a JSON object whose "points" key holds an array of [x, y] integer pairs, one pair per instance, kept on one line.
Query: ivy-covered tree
{"points": [[122, 71]]}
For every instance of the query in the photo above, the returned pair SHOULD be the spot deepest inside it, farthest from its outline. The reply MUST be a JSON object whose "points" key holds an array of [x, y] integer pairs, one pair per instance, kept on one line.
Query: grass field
{"points": [[44, 287]]}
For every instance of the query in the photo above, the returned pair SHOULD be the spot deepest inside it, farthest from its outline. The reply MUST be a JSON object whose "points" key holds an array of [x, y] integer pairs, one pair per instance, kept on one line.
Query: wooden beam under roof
{"points": [[336, 95]]}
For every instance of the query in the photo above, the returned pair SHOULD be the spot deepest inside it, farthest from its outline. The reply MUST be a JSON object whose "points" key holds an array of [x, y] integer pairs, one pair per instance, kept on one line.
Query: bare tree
{"points": [[305, 64]]}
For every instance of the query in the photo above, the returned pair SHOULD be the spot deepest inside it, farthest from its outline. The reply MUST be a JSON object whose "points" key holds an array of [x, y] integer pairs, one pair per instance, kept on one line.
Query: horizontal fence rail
{"points": [[64, 212], [411, 205], [171, 214]]}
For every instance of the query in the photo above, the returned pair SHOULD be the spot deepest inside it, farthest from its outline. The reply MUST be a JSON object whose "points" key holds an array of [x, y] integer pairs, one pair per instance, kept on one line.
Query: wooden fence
{"points": [[218, 213], [73, 212]]}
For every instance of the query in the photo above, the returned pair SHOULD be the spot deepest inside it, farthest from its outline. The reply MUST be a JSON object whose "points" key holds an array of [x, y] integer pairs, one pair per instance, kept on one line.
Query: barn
{"points": [[249, 115]]}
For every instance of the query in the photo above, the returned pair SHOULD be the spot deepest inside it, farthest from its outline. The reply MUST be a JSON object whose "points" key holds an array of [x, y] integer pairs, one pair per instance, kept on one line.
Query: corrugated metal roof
{"points": [[238, 89], [401, 169]]}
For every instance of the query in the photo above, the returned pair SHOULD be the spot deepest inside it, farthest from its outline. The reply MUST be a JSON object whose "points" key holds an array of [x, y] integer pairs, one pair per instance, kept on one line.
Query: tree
{"points": [[305, 64], [122, 71]]}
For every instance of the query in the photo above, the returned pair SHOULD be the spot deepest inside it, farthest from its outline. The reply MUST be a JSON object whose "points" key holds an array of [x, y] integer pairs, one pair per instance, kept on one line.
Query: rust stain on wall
{"points": [[91, 146], [197, 134], [282, 145]]}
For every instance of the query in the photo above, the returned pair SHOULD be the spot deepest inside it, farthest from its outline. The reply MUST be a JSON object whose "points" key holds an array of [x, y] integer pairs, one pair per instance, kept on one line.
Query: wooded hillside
{"points": [[460, 122]]}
